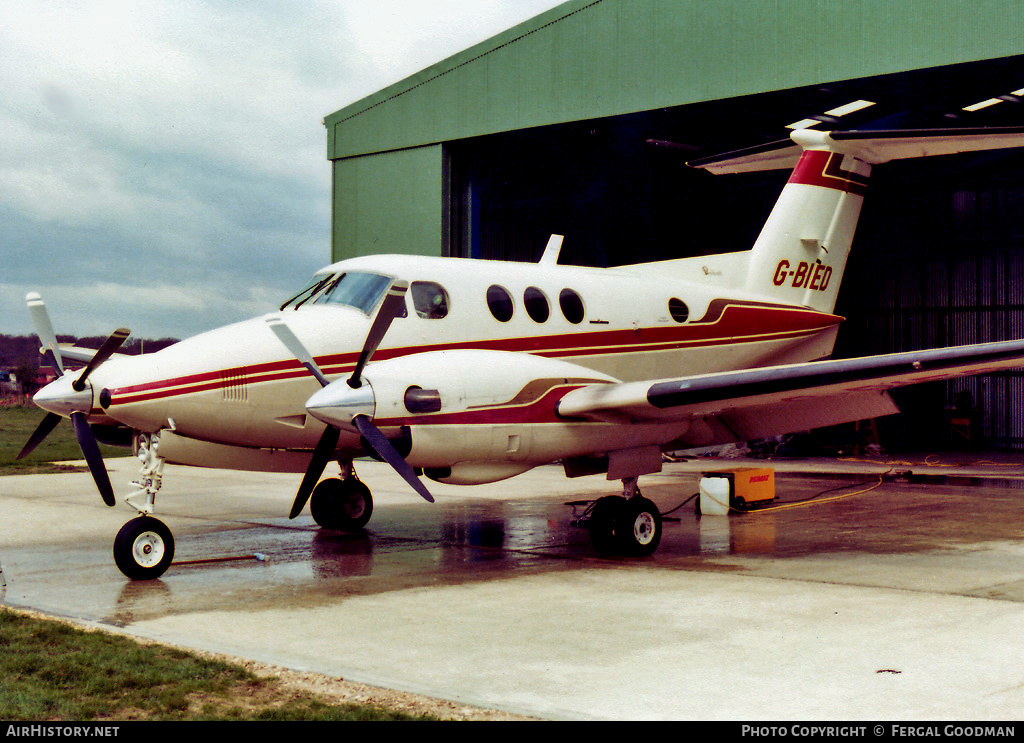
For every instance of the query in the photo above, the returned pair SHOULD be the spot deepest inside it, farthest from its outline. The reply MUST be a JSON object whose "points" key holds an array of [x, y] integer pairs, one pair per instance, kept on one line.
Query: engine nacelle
{"points": [[478, 416]]}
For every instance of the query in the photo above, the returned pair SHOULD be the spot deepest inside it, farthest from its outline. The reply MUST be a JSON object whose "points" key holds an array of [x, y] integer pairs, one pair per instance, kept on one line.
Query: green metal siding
{"points": [[594, 58], [389, 203]]}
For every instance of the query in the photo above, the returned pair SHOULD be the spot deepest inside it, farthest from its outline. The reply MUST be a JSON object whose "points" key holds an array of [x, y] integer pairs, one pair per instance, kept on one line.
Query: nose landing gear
{"points": [[144, 547]]}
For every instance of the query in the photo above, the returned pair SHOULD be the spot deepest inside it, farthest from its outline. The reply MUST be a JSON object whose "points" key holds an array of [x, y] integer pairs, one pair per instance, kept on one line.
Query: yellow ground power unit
{"points": [[738, 490]]}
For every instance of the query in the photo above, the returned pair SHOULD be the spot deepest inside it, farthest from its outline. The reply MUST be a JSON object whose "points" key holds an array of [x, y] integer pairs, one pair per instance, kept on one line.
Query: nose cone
{"points": [[337, 404], [61, 398]]}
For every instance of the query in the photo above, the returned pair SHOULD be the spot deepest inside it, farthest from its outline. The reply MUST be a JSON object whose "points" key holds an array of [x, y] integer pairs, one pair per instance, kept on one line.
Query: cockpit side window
{"points": [[430, 300], [355, 289]]}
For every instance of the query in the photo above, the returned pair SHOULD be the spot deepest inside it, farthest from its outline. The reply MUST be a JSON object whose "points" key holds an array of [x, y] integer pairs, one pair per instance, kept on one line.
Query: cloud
{"points": [[153, 145]]}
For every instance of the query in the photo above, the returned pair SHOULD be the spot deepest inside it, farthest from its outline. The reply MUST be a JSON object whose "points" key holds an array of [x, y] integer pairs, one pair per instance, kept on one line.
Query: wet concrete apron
{"points": [[899, 602]]}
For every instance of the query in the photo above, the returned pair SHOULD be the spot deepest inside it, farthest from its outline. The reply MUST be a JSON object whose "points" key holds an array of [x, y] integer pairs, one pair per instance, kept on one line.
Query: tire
{"points": [[604, 518], [341, 504], [144, 548], [638, 527]]}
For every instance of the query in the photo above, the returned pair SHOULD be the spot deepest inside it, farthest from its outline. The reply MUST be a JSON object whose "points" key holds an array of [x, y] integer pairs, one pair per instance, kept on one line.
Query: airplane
{"points": [[473, 371]]}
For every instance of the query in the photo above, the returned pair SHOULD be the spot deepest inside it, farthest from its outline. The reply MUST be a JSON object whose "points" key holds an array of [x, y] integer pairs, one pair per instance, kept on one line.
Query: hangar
{"points": [[581, 120]]}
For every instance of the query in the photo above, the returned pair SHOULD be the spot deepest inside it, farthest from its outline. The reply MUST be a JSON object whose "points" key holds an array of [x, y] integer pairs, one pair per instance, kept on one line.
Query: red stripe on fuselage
{"points": [[732, 323]]}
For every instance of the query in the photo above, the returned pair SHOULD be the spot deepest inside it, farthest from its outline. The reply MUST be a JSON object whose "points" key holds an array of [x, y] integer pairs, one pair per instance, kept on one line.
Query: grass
{"points": [[16, 426], [50, 670]]}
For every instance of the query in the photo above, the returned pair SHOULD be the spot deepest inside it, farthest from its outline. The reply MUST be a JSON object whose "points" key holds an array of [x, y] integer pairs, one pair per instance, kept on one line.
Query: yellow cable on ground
{"points": [[816, 501]]}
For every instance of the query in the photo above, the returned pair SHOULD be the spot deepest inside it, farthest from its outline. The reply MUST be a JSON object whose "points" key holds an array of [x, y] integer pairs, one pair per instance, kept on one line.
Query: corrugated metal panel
{"points": [[594, 58], [390, 203], [943, 276]]}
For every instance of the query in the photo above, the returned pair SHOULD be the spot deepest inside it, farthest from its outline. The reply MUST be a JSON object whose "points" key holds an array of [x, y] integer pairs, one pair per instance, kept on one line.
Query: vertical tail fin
{"points": [[800, 256]]}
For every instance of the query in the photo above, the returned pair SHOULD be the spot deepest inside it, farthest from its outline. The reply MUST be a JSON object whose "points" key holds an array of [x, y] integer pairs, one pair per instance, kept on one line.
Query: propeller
{"points": [[390, 308], [70, 398], [329, 438], [380, 444]]}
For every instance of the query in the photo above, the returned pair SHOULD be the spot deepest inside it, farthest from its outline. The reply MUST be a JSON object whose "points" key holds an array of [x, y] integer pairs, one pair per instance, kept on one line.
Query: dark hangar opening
{"points": [[939, 254]]}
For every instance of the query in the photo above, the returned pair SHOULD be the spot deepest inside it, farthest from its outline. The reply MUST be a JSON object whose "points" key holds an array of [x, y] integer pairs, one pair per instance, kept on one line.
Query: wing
{"points": [[758, 403]]}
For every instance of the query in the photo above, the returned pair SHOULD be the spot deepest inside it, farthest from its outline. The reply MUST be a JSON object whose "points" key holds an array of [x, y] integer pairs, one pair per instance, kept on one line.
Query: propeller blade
{"points": [[44, 329], [387, 452], [293, 344], [322, 454], [42, 431], [389, 310], [111, 344], [91, 450]]}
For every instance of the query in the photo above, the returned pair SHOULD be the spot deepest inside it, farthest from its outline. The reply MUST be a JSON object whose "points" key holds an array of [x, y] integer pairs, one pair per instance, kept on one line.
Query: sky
{"points": [[163, 163]]}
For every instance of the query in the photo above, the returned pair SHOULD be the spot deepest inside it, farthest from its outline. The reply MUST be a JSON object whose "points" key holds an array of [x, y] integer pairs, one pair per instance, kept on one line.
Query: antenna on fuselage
{"points": [[551, 251]]}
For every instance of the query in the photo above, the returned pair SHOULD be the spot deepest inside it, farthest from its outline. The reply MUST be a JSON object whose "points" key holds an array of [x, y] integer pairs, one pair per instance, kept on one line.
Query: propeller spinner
{"points": [[71, 398], [359, 399]]}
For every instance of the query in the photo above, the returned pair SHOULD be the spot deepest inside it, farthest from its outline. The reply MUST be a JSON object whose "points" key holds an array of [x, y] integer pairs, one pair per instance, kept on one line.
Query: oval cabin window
{"points": [[499, 302], [572, 306], [536, 304]]}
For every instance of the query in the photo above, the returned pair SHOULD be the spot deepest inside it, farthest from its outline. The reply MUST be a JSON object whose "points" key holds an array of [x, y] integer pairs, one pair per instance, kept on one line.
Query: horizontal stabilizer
{"points": [[872, 147]]}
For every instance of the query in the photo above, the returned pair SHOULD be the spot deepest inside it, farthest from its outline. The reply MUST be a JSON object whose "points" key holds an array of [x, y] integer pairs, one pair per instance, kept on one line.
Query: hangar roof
{"points": [[588, 59]]}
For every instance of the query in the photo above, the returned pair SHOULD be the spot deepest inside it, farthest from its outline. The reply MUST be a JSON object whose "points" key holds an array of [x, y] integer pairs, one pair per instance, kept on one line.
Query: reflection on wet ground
{"points": [[945, 532], [816, 524], [495, 594]]}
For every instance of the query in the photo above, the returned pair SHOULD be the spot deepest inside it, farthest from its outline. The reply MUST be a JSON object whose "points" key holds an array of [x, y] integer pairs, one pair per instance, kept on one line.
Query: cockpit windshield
{"points": [[353, 288]]}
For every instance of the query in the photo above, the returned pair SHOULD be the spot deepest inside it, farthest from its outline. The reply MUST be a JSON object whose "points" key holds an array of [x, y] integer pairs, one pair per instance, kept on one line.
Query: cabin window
{"points": [[678, 309], [355, 289], [429, 299], [499, 302], [572, 306], [536, 304]]}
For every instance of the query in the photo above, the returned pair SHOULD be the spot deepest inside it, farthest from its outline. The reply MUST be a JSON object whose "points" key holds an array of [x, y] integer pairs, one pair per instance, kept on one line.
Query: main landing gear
{"points": [[626, 524], [341, 503]]}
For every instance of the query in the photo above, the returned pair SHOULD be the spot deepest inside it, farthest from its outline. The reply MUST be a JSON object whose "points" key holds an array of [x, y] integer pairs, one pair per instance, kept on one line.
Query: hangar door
{"points": [[617, 191], [938, 259]]}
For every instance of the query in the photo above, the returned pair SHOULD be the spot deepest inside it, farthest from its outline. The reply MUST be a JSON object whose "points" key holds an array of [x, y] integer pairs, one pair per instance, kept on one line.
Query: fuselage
{"points": [[239, 385]]}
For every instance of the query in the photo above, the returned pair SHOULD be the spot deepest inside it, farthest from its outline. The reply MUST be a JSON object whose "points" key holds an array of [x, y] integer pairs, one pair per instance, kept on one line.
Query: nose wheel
{"points": [[144, 548]]}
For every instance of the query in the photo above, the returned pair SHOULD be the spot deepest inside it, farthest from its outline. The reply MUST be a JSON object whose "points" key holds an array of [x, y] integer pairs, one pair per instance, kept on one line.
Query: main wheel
{"points": [[604, 518], [144, 548], [638, 527], [341, 504]]}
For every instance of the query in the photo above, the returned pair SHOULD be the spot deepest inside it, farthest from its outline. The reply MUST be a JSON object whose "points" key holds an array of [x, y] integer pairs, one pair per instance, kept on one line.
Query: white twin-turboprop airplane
{"points": [[473, 371]]}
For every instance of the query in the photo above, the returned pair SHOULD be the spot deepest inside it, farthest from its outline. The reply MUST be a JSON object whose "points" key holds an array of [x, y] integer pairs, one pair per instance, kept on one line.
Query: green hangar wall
{"points": [[580, 122], [594, 59]]}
